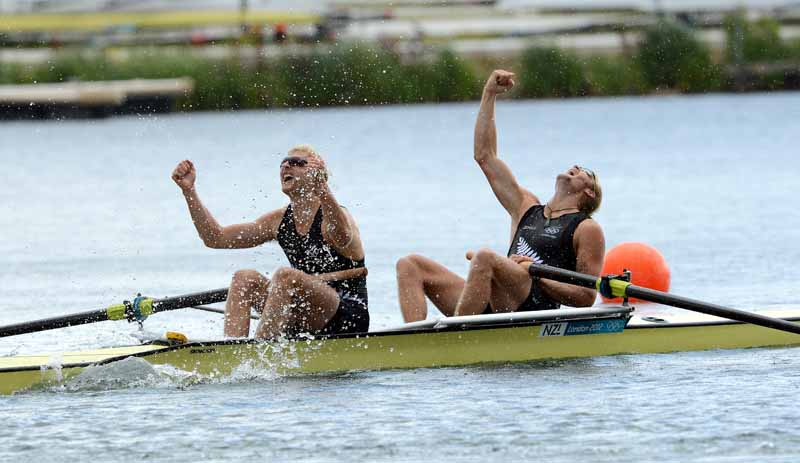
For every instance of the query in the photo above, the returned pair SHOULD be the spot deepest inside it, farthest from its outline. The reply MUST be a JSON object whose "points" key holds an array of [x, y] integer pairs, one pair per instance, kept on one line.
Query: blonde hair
{"points": [[591, 205], [306, 149]]}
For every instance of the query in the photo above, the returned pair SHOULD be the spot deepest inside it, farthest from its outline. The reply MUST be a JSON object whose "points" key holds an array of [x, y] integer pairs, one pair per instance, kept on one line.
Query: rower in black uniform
{"points": [[545, 240], [559, 233], [325, 289], [312, 255]]}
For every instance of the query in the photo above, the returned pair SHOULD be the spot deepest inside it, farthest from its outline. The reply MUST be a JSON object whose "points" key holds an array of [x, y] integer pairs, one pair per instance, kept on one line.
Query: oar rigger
{"points": [[611, 286], [134, 310]]}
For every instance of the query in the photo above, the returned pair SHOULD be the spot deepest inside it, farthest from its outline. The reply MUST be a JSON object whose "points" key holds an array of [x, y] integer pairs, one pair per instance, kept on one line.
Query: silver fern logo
{"points": [[525, 249]]}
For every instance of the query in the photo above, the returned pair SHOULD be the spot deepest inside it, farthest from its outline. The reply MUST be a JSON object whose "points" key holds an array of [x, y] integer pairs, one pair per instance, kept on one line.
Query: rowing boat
{"points": [[449, 341], [452, 341]]}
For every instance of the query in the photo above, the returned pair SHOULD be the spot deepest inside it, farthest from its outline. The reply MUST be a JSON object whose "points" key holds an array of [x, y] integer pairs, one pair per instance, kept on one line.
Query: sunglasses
{"points": [[294, 161], [589, 172], [591, 175]]}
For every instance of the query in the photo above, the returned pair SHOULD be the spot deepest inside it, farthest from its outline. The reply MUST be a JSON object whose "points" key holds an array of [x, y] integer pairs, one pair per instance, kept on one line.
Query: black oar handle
{"points": [[53, 323], [623, 288], [564, 276], [116, 312]]}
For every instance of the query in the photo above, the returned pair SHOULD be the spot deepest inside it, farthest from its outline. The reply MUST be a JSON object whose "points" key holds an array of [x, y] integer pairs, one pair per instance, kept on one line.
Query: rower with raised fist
{"points": [[325, 289], [559, 232]]}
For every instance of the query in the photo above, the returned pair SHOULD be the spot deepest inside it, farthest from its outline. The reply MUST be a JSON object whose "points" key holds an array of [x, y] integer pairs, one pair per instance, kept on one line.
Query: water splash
{"points": [[127, 373], [251, 371], [272, 362]]}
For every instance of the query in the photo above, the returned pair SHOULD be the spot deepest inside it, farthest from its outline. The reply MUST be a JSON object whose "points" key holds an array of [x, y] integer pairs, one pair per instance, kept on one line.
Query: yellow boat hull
{"points": [[403, 349]]}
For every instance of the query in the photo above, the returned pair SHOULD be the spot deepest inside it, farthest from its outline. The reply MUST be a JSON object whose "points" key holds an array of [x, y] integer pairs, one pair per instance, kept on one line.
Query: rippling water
{"points": [[89, 217]]}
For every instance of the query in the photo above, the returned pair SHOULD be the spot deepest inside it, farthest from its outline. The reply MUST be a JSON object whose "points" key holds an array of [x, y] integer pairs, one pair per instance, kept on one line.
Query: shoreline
{"points": [[667, 57], [77, 114]]}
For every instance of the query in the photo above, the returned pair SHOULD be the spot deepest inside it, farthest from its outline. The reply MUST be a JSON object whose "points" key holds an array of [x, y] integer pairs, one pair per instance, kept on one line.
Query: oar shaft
{"points": [[115, 312], [647, 294], [659, 297], [53, 323], [188, 300]]}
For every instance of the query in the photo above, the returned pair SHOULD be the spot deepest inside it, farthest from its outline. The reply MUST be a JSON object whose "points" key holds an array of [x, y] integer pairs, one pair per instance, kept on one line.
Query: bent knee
{"points": [[246, 277], [484, 256], [286, 276], [409, 264]]}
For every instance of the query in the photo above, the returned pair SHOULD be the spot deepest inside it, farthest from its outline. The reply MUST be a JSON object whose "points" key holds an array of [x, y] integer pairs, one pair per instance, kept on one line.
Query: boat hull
{"points": [[404, 349]]}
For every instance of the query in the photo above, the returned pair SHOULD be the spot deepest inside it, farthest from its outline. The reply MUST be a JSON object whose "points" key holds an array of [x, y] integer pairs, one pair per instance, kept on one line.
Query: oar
{"points": [[142, 307], [621, 288], [206, 308], [139, 309]]}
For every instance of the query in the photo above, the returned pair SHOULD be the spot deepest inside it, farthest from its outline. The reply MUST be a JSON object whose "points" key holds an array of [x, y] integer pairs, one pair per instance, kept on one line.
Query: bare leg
{"points": [[417, 277], [248, 289], [493, 279], [297, 302]]}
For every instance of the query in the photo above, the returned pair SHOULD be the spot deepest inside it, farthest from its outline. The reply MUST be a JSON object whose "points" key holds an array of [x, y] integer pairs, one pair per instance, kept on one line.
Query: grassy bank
{"points": [[669, 58], [350, 74]]}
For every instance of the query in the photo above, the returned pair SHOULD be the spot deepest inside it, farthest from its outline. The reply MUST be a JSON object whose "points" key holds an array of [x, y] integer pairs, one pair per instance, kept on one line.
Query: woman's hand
{"points": [[184, 175]]}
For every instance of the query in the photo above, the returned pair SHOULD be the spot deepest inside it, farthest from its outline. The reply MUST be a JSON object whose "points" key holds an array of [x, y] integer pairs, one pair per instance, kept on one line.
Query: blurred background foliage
{"points": [[668, 58]]}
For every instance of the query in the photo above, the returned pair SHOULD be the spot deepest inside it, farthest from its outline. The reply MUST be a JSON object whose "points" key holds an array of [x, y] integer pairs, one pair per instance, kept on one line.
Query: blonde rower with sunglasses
{"points": [[325, 289], [559, 232]]}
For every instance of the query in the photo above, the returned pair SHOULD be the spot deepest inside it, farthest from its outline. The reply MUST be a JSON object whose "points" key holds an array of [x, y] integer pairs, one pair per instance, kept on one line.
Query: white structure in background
{"points": [[64, 6], [75, 6]]}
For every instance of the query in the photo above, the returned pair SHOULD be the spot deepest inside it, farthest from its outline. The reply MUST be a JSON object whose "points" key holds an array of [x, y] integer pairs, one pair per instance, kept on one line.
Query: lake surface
{"points": [[89, 217]]}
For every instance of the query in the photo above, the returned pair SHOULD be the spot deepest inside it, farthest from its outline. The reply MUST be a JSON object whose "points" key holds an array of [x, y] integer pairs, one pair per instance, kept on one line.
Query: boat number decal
{"points": [[582, 327], [206, 350]]}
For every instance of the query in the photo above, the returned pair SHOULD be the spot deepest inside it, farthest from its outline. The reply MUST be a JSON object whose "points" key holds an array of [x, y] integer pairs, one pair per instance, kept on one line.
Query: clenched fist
{"points": [[184, 175], [317, 170], [499, 82]]}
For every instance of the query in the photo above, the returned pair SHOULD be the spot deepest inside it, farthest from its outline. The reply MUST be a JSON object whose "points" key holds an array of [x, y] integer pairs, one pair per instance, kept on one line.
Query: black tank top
{"points": [[549, 244], [311, 254]]}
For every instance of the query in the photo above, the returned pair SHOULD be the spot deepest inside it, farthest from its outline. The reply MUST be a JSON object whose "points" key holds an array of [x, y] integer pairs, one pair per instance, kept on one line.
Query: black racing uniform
{"points": [[546, 243], [311, 254]]}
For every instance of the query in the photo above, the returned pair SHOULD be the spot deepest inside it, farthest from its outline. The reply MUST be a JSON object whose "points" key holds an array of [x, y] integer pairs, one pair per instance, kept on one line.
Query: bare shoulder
{"points": [[589, 227], [589, 232]]}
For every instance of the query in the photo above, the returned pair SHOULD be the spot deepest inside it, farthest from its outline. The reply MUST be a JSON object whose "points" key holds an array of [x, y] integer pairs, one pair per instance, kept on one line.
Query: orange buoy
{"points": [[648, 267]]}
